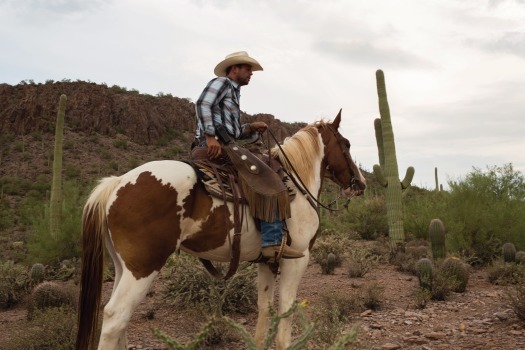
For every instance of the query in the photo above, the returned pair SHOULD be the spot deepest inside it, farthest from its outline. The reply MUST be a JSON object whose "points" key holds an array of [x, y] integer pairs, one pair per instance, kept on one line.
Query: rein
{"points": [[314, 202]]}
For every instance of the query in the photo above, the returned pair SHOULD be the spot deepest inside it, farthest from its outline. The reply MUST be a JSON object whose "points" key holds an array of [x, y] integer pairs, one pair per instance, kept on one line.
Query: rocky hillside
{"points": [[92, 108], [108, 131]]}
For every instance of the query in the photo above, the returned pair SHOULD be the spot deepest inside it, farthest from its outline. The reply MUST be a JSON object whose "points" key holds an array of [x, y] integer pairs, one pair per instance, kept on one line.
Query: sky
{"points": [[454, 69]]}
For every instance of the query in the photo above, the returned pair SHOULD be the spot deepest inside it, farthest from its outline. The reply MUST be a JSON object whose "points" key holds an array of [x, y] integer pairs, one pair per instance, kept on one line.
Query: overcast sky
{"points": [[454, 69]]}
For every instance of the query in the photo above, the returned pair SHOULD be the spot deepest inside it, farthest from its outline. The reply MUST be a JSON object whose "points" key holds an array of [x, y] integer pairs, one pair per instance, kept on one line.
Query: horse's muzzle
{"points": [[357, 188]]}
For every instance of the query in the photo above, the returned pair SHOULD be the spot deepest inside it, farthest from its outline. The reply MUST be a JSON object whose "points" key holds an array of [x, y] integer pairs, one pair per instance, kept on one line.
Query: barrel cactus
{"points": [[520, 257], [457, 270], [48, 295], [436, 236], [328, 265], [509, 252], [425, 273], [37, 273]]}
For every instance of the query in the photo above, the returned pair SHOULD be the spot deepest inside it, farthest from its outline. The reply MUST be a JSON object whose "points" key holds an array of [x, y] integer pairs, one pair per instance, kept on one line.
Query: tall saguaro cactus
{"points": [[387, 172], [55, 205]]}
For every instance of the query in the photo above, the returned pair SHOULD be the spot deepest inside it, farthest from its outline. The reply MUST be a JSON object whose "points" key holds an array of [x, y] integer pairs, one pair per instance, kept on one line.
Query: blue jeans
{"points": [[271, 232]]}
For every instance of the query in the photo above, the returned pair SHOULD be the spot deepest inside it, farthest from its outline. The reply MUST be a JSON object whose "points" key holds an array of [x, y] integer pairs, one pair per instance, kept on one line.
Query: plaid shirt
{"points": [[219, 105]]}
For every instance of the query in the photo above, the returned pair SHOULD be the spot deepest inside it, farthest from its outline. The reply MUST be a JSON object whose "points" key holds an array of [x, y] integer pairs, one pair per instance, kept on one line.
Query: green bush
{"points": [[330, 241], [516, 298], [191, 284], [14, 283], [482, 210], [52, 328], [367, 216], [42, 248], [332, 314]]}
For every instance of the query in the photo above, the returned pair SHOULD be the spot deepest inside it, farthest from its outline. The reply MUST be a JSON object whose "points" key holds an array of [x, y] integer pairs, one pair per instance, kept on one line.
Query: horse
{"points": [[145, 215]]}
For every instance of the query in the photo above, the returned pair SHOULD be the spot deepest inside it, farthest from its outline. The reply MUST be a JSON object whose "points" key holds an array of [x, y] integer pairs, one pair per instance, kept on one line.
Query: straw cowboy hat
{"points": [[232, 59]]}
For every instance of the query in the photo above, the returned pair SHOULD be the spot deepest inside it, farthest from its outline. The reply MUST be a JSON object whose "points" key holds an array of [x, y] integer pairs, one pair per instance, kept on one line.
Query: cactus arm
{"points": [[380, 177], [408, 178], [379, 141]]}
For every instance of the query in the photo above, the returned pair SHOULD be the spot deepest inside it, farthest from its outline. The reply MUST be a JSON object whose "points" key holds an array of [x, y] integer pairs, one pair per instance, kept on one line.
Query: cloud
{"points": [[365, 53], [510, 43]]}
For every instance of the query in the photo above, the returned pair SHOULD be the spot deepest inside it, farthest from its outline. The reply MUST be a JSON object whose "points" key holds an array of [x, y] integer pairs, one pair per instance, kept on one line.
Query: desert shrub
{"points": [[52, 328], [332, 314], [191, 284], [6, 214], [372, 295], [367, 216], [407, 256], [422, 297], [328, 242], [520, 257], [13, 283], [516, 299], [505, 273], [51, 295], [360, 262]]}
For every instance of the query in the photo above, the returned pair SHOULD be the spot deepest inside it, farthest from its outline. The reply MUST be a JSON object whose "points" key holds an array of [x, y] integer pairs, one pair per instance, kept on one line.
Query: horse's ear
{"points": [[337, 120]]}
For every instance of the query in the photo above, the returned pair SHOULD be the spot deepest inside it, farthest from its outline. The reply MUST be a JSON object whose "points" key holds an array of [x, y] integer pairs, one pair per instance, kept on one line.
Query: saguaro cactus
{"points": [[436, 176], [387, 172], [55, 205]]}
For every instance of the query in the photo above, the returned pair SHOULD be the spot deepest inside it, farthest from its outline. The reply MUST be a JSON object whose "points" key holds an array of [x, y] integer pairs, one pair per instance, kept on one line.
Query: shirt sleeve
{"points": [[210, 97]]}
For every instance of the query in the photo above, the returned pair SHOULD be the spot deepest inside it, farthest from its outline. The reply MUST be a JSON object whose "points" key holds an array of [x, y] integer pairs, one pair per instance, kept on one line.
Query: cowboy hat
{"points": [[232, 59]]}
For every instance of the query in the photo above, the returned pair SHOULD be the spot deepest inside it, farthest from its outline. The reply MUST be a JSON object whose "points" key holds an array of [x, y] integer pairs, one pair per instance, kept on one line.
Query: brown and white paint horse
{"points": [[143, 216]]}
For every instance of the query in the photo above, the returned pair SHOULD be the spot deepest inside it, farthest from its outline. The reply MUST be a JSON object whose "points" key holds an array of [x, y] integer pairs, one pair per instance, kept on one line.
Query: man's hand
{"points": [[258, 126], [214, 147]]}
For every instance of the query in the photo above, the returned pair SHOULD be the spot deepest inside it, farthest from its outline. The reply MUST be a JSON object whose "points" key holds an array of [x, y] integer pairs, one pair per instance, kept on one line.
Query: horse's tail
{"points": [[94, 230]]}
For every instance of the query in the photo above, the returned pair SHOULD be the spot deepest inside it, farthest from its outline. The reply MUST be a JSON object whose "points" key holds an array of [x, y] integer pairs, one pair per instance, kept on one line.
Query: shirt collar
{"points": [[234, 84]]}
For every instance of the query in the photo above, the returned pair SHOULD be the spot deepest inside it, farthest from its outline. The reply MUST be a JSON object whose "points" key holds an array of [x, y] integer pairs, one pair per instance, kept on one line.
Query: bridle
{"points": [[298, 182], [346, 152]]}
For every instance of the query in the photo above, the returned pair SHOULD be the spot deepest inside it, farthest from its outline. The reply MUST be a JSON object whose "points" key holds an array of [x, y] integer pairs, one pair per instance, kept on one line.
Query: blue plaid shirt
{"points": [[219, 105]]}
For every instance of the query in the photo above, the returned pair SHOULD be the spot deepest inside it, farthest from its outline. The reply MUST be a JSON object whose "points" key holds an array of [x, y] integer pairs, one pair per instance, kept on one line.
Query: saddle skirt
{"points": [[223, 179]]}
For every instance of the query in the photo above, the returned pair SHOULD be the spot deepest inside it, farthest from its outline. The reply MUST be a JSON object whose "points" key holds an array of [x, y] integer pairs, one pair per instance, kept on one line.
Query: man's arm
{"points": [[211, 96]]}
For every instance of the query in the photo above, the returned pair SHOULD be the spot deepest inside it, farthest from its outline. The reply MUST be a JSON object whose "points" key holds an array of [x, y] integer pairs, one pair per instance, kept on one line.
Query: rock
{"points": [[502, 316], [366, 313], [436, 335], [390, 346]]}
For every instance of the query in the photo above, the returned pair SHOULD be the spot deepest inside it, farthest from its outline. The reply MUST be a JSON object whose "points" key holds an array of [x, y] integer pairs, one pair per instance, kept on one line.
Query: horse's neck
{"points": [[310, 177]]}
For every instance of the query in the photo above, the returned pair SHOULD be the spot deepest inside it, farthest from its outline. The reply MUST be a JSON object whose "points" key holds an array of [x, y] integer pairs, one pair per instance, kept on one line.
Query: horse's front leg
{"points": [[291, 274], [265, 286]]}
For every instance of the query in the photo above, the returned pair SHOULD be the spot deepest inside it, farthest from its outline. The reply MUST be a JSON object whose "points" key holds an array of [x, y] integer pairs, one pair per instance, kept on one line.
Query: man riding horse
{"points": [[219, 121]]}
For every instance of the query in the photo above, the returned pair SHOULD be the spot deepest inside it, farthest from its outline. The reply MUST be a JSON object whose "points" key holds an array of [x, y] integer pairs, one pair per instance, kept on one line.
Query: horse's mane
{"points": [[303, 149]]}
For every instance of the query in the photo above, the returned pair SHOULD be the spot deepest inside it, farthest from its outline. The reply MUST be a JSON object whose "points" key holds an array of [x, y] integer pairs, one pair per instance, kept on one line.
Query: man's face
{"points": [[241, 75]]}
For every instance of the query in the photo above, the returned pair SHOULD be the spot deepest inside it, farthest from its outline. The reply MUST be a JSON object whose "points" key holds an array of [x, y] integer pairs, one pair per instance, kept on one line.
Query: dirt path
{"points": [[477, 319]]}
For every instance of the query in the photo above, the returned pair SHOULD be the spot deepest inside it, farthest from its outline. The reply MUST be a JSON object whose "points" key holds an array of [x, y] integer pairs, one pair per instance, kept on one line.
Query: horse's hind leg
{"points": [[125, 298], [266, 286]]}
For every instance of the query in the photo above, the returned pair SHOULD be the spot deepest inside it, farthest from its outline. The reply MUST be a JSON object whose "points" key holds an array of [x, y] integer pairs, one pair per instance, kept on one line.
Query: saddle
{"points": [[244, 176]]}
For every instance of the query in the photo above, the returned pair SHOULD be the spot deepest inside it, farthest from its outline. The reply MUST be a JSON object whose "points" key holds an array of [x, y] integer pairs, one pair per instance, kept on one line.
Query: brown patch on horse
{"points": [[212, 233], [197, 204], [144, 224]]}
